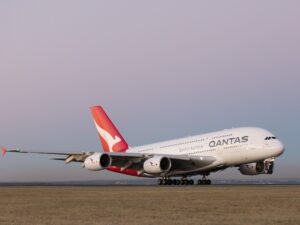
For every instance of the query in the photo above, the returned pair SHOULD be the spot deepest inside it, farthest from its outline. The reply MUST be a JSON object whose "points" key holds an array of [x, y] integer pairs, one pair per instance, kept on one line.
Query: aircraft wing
{"points": [[125, 160], [64, 156], [180, 163]]}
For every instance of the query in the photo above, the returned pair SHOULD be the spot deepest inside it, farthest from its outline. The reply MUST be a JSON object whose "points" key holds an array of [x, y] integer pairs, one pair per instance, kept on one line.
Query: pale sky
{"points": [[161, 69]]}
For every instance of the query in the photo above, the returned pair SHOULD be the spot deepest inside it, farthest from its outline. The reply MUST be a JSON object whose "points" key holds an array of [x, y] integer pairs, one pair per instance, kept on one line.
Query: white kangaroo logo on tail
{"points": [[107, 137]]}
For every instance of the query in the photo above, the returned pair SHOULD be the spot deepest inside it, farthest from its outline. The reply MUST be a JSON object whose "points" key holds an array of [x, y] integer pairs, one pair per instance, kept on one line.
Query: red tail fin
{"points": [[111, 139]]}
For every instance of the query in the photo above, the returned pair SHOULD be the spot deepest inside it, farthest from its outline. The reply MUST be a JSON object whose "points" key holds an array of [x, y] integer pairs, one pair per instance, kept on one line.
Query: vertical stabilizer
{"points": [[110, 137]]}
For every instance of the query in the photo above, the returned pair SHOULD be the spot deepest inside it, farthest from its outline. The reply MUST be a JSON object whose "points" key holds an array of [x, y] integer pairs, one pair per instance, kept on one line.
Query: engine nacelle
{"points": [[256, 168], [93, 162], [157, 165], [97, 161]]}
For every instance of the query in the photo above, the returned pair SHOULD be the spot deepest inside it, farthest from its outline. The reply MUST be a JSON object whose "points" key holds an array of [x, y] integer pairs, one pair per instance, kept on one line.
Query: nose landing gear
{"points": [[269, 165]]}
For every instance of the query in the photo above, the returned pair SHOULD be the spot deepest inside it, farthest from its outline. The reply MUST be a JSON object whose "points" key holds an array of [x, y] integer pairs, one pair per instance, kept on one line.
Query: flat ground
{"points": [[219, 205]]}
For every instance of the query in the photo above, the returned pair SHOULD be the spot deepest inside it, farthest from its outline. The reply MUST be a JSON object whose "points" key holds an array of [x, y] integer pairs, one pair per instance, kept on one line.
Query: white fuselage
{"points": [[231, 147]]}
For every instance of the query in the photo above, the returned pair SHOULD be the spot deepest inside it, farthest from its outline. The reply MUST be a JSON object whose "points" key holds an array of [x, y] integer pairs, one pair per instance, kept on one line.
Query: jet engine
{"points": [[262, 167], [157, 165], [92, 162], [97, 161]]}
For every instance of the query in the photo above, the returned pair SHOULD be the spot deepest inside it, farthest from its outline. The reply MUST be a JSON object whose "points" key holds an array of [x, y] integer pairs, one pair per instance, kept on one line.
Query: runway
{"points": [[263, 204]]}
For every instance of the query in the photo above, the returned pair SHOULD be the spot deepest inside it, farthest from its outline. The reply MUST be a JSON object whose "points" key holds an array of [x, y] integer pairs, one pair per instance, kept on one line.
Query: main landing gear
{"points": [[204, 181], [168, 181], [183, 181]]}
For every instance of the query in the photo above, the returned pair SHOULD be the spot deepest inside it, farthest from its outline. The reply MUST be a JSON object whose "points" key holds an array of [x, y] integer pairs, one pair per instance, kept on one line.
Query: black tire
{"points": [[270, 170], [191, 182], [208, 182], [159, 181]]}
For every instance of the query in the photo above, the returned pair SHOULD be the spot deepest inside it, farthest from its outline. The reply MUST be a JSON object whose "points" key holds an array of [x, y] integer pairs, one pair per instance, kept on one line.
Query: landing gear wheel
{"points": [[270, 169], [183, 181], [159, 181], [204, 180]]}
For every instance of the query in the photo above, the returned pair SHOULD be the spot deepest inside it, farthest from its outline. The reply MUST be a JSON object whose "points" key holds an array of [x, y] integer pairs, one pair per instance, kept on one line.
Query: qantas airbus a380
{"points": [[252, 150]]}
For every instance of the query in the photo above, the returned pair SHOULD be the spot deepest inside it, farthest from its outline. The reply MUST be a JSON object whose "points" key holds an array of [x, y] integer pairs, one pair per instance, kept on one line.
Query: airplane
{"points": [[252, 150]]}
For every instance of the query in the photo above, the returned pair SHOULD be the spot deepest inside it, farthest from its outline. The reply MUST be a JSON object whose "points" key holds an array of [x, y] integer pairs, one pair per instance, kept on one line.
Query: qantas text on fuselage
{"points": [[228, 141]]}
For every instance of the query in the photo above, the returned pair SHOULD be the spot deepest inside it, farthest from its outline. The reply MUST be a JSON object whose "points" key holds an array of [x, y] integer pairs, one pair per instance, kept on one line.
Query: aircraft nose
{"points": [[279, 148]]}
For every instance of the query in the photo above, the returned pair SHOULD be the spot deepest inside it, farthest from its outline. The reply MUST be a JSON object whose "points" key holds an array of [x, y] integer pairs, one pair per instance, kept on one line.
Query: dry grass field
{"points": [[150, 205]]}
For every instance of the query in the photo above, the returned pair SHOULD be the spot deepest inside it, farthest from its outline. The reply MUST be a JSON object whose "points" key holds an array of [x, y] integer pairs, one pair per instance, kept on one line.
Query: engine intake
{"points": [[105, 160]]}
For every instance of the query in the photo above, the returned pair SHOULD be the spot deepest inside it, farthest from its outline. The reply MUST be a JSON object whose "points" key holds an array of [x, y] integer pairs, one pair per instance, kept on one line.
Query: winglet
{"points": [[3, 151]]}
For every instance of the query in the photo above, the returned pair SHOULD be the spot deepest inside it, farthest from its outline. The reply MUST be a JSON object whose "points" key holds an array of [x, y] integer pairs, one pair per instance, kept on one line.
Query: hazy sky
{"points": [[161, 69]]}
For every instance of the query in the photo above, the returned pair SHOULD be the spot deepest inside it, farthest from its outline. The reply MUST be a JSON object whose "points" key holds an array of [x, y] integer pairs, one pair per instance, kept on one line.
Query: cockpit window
{"points": [[269, 138]]}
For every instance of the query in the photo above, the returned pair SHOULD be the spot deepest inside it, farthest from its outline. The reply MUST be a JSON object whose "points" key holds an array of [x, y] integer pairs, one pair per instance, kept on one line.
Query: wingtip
{"points": [[3, 149]]}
